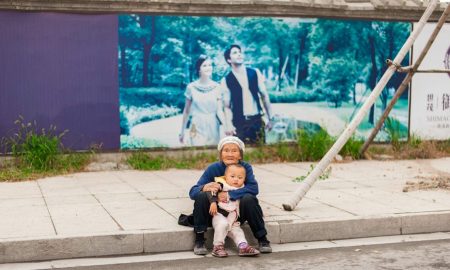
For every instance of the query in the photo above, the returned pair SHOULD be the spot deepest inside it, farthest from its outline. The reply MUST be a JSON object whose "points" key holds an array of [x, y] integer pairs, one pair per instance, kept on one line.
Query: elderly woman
{"points": [[231, 151]]}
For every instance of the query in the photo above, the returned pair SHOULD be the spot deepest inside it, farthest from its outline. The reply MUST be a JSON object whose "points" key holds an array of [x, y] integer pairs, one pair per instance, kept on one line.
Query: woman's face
{"points": [[230, 154], [206, 68]]}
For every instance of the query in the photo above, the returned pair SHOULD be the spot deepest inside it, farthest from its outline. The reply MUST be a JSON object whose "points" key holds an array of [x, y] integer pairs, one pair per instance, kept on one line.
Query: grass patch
{"points": [[310, 146], [147, 161], [313, 146], [414, 148], [64, 164], [351, 147], [38, 153], [325, 175]]}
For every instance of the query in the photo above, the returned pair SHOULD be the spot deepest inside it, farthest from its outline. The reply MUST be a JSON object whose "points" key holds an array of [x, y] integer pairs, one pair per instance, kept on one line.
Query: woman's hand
{"points": [[213, 187], [222, 196], [181, 138], [213, 209], [269, 124]]}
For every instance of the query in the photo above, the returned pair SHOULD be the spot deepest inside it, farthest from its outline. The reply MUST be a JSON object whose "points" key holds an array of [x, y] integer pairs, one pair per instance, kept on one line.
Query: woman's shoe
{"points": [[264, 247], [199, 248]]}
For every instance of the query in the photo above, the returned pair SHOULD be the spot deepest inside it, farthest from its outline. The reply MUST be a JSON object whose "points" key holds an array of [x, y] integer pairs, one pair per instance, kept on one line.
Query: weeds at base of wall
{"points": [[325, 175], [38, 153], [146, 161], [309, 147]]}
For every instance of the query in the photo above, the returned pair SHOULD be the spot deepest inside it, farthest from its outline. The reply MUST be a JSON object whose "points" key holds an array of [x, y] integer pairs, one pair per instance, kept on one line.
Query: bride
{"points": [[205, 107]]}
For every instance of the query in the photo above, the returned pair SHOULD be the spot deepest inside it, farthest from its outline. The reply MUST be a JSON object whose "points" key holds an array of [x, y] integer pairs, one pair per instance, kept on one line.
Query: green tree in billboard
{"points": [[383, 40], [333, 64]]}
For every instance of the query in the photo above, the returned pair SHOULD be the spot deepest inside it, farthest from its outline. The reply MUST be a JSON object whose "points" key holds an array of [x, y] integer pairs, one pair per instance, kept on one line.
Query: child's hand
{"points": [[213, 209], [222, 196]]}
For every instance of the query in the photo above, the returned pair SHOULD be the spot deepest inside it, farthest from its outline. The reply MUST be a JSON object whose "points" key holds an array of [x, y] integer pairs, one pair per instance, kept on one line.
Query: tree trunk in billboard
{"points": [[373, 75], [123, 67], [348, 132], [147, 49]]}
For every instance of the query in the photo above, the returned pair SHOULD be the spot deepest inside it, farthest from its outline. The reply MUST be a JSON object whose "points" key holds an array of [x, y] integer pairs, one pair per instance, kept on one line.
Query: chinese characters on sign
{"points": [[438, 104], [431, 100]]}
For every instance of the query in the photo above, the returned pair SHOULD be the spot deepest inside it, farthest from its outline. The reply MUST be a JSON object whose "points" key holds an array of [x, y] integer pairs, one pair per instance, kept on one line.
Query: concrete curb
{"points": [[150, 260], [138, 242]]}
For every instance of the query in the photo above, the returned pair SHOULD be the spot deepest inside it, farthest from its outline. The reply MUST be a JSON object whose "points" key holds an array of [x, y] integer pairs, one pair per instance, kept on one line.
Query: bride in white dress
{"points": [[205, 106]]}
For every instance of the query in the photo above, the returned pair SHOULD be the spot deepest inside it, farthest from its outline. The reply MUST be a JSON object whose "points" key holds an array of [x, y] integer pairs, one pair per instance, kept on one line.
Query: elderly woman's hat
{"points": [[233, 140]]}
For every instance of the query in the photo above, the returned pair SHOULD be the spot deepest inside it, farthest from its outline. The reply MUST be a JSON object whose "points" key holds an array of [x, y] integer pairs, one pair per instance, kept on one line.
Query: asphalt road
{"points": [[418, 255]]}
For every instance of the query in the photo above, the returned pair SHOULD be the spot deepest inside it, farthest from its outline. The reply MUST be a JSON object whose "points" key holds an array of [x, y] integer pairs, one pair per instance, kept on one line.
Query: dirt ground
{"points": [[424, 183]]}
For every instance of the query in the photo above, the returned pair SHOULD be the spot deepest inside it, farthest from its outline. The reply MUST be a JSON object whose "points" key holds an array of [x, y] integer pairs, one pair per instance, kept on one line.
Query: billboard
{"points": [[179, 86], [141, 81], [430, 92]]}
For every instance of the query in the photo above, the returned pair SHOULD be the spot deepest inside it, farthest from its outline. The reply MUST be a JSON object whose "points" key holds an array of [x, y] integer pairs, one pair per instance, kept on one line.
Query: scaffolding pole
{"points": [[293, 201]]}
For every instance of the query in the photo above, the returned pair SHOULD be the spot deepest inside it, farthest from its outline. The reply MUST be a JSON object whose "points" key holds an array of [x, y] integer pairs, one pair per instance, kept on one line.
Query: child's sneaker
{"points": [[219, 251], [247, 250]]}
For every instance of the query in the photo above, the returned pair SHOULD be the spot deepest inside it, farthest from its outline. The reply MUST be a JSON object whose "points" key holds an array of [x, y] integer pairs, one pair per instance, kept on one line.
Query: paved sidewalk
{"points": [[131, 212]]}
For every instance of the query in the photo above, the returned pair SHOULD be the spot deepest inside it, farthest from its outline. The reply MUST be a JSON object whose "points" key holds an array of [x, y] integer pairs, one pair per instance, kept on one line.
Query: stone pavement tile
{"points": [[436, 196], [185, 184], [274, 188], [442, 164], [134, 212], [264, 176], [270, 182], [400, 200], [55, 201], [176, 206], [270, 209], [290, 170], [166, 194], [61, 186], [156, 187], [24, 218], [350, 203], [308, 209], [313, 210], [19, 189], [391, 185], [149, 184], [336, 183], [80, 214], [113, 185], [10, 203], [175, 175], [96, 176], [182, 179], [134, 174], [373, 170]]}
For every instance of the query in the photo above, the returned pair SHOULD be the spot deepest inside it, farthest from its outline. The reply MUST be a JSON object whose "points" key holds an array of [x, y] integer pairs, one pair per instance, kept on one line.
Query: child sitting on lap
{"points": [[225, 214]]}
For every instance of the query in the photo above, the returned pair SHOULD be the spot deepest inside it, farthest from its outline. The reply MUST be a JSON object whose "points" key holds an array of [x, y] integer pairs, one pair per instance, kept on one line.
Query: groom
{"points": [[244, 89]]}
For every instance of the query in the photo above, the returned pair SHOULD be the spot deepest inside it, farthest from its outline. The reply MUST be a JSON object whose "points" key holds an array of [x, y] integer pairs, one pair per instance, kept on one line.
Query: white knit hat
{"points": [[231, 139]]}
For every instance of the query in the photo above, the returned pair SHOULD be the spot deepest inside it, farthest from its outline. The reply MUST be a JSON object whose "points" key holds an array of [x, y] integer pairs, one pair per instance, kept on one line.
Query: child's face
{"points": [[235, 176]]}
